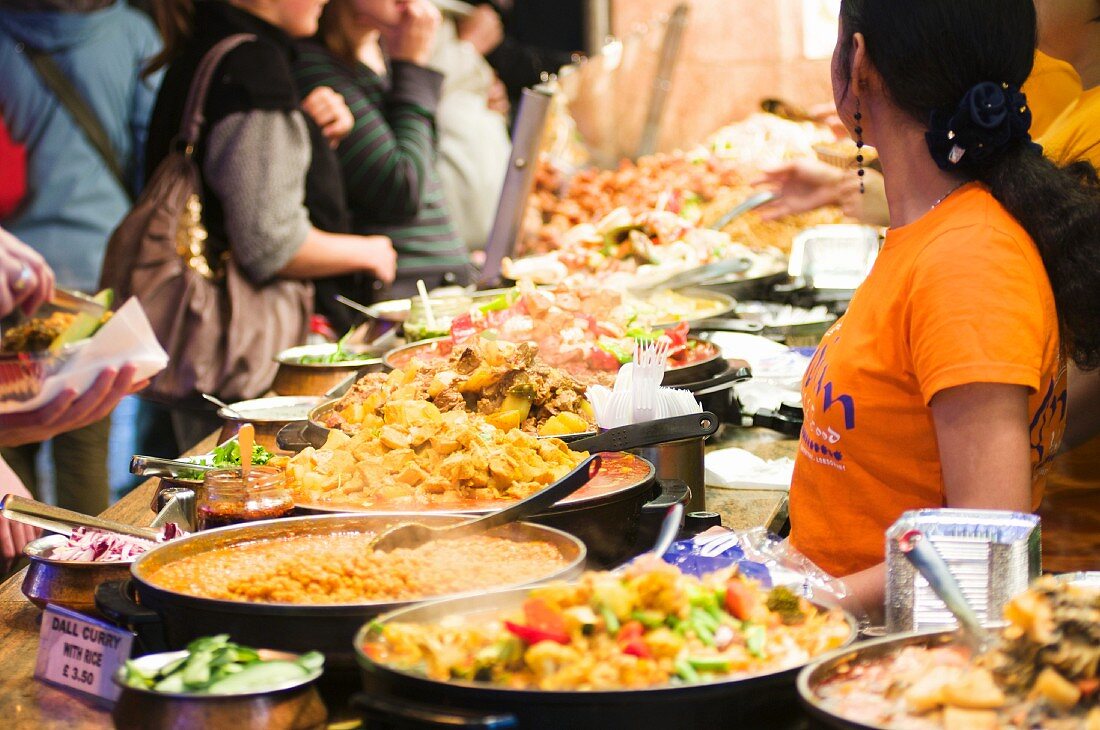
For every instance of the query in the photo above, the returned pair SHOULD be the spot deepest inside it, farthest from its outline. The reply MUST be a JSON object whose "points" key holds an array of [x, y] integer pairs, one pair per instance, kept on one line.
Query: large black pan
{"points": [[166, 619], [826, 667], [402, 699]]}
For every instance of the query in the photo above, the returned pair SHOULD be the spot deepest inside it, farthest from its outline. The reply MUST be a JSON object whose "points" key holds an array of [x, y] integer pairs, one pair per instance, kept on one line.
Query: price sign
{"points": [[81, 653]]}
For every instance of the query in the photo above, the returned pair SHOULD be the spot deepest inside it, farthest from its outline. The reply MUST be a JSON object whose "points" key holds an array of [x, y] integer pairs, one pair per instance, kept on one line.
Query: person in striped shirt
{"points": [[388, 157]]}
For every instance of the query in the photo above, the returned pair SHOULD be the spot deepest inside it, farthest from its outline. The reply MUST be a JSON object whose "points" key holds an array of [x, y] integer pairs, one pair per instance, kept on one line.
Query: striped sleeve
{"points": [[386, 157]]}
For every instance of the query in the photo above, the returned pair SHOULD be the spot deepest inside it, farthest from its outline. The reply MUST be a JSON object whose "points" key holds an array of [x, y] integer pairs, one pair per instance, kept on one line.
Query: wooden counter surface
{"points": [[27, 703]]}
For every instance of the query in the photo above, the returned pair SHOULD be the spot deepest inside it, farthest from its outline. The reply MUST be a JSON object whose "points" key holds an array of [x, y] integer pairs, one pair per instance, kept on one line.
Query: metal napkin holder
{"points": [[993, 555]]}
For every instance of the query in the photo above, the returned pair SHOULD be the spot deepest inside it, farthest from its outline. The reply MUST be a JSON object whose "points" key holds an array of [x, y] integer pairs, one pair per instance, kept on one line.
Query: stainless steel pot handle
{"points": [[406, 714]]}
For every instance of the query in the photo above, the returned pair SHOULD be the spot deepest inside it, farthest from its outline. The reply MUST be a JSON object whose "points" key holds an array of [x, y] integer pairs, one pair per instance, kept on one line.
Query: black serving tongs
{"points": [[651, 433], [920, 551]]}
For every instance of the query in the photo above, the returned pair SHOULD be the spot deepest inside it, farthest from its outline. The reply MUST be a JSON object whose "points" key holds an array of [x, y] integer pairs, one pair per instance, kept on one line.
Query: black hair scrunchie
{"points": [[990, 118]]}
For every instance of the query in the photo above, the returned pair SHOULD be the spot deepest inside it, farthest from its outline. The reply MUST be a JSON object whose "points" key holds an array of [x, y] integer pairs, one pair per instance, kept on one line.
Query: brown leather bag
{"points": [[221, 331]]}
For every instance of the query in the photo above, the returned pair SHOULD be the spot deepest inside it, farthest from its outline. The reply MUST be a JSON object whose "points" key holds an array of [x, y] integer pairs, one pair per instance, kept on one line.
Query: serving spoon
{"points": [[920, 551], [411, 535], [60, 520]]}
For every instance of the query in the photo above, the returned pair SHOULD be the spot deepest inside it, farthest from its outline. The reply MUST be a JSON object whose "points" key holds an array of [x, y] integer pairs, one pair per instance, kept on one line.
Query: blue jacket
{"points": [[73, 202]]}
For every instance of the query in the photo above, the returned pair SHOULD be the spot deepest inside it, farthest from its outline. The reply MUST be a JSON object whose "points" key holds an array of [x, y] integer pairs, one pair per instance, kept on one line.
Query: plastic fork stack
{"points": [[638, 396]]}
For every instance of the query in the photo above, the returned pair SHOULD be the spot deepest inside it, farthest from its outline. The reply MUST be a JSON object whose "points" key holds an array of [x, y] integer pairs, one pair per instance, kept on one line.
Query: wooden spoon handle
{"points": [[246, 437]]}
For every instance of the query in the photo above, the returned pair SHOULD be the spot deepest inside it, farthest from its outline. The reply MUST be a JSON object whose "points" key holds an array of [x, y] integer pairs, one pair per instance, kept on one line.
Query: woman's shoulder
{"points": [[973, 220], [259, 73], [314, 65]]}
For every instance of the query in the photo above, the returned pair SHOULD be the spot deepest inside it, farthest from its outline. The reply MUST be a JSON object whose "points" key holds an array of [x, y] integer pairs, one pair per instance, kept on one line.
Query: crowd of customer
{"points": [[323, 158]]}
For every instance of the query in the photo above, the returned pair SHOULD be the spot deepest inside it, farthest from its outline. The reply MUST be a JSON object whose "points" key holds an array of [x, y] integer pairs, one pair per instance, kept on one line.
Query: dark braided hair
{"points": [[930, 54]]}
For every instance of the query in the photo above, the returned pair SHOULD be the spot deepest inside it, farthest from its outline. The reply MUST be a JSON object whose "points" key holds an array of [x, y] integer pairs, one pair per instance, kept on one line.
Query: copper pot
{"points": [[68, 583], [297, 706], [295, 377]]}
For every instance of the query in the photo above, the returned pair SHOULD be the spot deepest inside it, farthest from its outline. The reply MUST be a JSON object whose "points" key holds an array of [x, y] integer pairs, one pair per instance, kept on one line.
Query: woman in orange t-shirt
{"points": [[944, 384]]}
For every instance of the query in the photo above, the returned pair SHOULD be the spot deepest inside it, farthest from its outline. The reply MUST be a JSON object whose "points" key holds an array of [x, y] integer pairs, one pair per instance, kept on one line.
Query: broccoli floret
{"points": [[783, 601]]}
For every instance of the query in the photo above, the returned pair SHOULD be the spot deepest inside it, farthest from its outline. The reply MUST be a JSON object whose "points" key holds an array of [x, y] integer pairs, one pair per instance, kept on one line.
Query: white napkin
{"points": [[126, 338], [738, 469]]}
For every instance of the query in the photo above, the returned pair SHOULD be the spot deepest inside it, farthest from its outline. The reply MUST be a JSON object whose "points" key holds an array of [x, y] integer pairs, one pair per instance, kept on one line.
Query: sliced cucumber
{"points": [[85, 324]]}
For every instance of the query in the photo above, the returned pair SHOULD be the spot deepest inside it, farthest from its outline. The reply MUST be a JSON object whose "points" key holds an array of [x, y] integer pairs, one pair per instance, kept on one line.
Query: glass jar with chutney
{"points": [[228, 498]]}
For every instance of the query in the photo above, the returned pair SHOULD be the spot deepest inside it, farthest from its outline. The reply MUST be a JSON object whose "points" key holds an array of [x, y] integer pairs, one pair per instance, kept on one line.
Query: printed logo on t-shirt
{"points": [[823, 444]]}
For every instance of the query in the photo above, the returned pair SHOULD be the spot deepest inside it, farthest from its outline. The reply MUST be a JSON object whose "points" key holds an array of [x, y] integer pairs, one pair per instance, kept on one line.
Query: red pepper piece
{"points": [[638, 648], [739, 600], [531, 635]]}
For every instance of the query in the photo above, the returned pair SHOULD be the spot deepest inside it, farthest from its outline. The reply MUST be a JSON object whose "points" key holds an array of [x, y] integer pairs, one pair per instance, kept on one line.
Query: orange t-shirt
{"points": [[1076, 135], [959, 296], [1052, 86]]}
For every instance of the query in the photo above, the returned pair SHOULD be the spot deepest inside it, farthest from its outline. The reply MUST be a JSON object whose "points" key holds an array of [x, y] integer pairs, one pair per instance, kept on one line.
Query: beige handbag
{"points": [[221, 331]]}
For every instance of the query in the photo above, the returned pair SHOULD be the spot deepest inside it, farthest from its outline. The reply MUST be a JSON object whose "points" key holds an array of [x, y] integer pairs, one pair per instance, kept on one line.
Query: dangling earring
{"points": [[859, 146]]}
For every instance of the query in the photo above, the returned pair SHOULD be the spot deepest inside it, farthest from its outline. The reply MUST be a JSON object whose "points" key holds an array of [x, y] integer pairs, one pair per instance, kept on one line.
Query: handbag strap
{"points": [[193, 117], [78, 108]]}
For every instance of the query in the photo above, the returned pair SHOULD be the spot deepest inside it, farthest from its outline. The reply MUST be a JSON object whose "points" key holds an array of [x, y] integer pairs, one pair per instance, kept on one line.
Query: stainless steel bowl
{"points": [[290, 706], [68, 583], [268, 415]]}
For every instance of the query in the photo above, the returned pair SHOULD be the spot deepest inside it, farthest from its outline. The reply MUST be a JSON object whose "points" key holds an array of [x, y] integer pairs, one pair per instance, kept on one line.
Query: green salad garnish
{"points": [[226, 456]]}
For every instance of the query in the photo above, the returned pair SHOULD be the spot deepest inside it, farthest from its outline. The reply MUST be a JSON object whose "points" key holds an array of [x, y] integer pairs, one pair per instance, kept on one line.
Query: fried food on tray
{"points": [[341, 568], [1042, 674], [36, 335], [624, 250], [503, 381], [650, 627], [678, 182], [414, 454]]}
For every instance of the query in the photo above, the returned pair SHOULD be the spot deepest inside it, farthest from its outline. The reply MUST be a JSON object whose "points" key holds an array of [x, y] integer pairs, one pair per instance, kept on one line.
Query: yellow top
{"points": [[1052, 86], [1076, 134]]}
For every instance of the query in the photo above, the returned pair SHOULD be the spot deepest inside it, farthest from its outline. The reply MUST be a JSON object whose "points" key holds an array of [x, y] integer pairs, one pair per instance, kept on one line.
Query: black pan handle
{"points": [[292, 437], [722, 382], [635, 436], [726, 324], [114, 600], [405, 714]]}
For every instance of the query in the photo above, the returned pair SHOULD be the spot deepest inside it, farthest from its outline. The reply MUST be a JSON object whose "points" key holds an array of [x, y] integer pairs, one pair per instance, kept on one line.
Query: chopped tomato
{"points": [[462, 328], [531, 635], [602, 360], [638, 648], [739, 600], [541, 616]]}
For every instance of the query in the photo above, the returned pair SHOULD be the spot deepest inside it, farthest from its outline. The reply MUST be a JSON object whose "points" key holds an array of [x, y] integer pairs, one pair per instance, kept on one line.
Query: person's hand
{"points": [[379, 258], [26, 280], [67, 412], [330, 112], [801, 186], [497, 100], [482, 29], [13, 535], [413, 38]]}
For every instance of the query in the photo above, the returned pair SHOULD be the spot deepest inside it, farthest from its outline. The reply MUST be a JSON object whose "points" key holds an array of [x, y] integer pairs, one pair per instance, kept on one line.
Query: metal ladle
{"points": [[920, 551], [222, 404]]}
